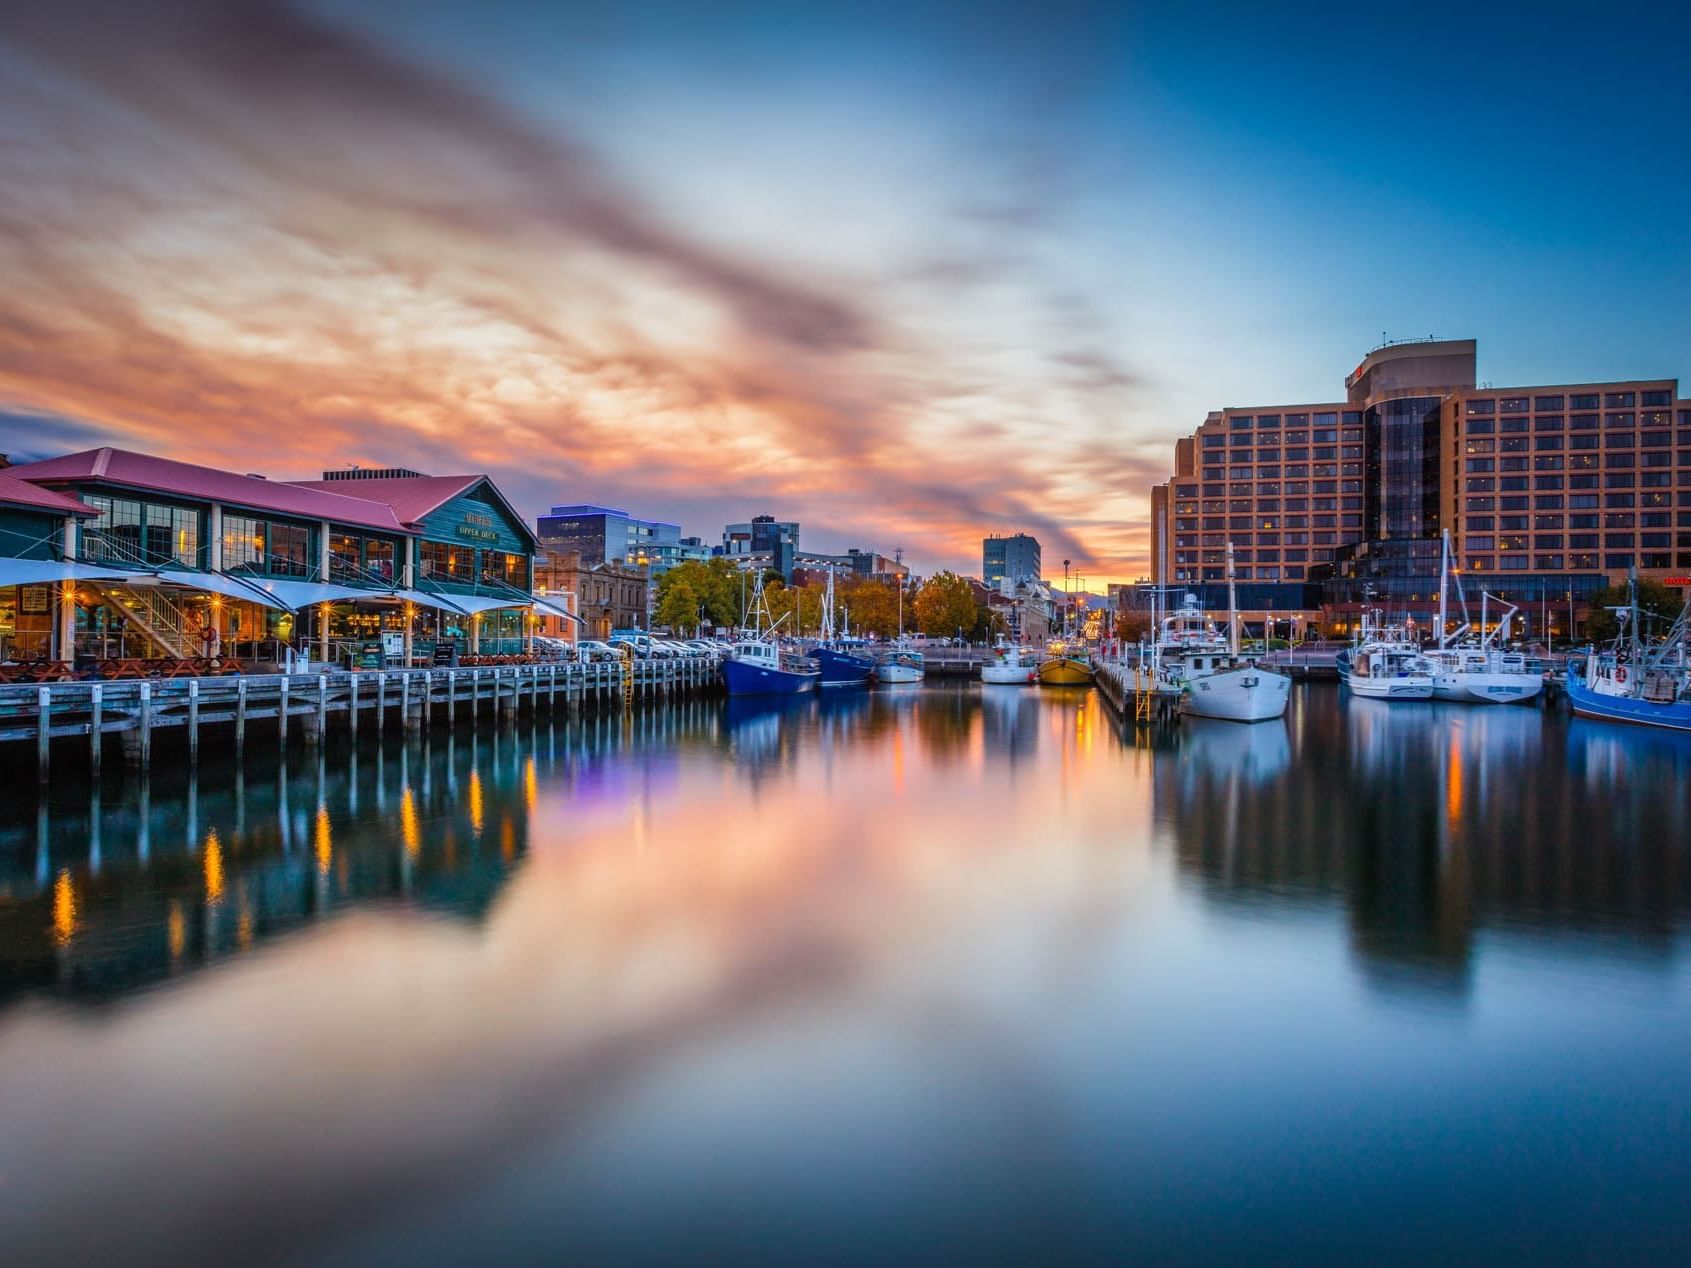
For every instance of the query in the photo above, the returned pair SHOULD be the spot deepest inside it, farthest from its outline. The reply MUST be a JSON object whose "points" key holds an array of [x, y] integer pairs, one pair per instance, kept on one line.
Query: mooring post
{"points": [[381, 701], [352, 705], [146, 723], [193, 721], [240, 716], [451, 698], [43, 730], [405, 702], [96, 726], [282, 713]]}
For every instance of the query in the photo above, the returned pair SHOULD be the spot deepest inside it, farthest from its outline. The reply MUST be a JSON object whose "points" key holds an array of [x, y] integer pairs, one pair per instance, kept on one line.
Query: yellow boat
{"points": [[1065, 667]]}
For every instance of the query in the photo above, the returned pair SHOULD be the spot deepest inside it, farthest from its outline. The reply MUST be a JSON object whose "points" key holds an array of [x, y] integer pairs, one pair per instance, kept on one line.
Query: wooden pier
{"points": [[1131, 692], [266, 707]]}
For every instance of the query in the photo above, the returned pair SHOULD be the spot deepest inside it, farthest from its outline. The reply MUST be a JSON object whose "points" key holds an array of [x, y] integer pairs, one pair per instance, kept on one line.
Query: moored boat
{"points": [[1634, 681], [1011, 665], [842, 663], [1214, 679], [903, 664], [1477, 670], [760, 666], [1065, 666], [1386, 664]]}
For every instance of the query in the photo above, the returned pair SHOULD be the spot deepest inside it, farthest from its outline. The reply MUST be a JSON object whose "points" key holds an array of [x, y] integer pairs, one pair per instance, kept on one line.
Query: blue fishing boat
{"points": [[1635, 682], [760, 666], [842, 664], [842, 668]]}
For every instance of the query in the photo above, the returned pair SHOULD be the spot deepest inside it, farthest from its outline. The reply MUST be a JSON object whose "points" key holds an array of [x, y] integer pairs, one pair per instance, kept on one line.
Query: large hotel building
{"points": [[1550, 492]]}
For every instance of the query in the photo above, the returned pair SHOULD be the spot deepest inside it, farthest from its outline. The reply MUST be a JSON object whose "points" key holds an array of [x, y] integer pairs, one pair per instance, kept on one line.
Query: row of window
{"points": [[1267, 422], [1320, 436], [1579, 462], [1585, 561], [1574, 422], [1546, 444], [1577, 400], [129, 531], [1610, 480]]}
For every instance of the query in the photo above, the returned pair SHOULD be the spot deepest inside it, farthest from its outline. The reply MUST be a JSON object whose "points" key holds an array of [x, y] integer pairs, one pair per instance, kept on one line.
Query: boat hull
{"points": [[894, 675], [1065, 671], [1675, 716], [842, 669], [1238, 695], [743, 679], [1009, 675], [1404, 687], [1470, 687]]}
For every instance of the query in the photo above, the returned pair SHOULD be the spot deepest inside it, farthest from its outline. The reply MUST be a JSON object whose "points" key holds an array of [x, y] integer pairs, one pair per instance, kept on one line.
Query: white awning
{"points": [[425, 600], [215, 583], [307, 594], [546, 607], [475, 603], [35, 572]]}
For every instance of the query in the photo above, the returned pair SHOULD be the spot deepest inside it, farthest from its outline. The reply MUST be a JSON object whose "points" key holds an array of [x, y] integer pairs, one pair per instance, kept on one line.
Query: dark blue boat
{"points": [[844, 669], [757, 668]]}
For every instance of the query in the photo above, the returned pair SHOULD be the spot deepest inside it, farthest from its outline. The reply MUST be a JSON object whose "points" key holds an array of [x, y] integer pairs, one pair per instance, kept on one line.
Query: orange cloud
{"points": [[239, 235]]}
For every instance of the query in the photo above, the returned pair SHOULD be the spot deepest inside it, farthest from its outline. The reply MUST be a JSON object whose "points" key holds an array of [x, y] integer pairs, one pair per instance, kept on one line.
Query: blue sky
{"points": [[911, 273]]}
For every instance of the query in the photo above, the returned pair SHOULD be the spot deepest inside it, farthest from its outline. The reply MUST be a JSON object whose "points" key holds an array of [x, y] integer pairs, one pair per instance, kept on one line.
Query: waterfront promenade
{"points": [[135, 711]]}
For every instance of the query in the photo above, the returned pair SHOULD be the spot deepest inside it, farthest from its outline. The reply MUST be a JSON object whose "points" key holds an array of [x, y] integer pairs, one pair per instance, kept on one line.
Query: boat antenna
{"points": [[1232, 607]]}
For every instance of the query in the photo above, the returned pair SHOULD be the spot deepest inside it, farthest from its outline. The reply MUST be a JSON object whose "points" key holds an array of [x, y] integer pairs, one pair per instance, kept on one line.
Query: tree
{"points": [[1657, 608], [711, 584], [871, 604], [944, 605], [1132, 626]]}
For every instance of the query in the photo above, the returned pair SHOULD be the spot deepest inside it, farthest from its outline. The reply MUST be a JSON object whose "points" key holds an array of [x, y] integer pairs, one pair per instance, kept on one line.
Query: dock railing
{"points": [[135, 710]]}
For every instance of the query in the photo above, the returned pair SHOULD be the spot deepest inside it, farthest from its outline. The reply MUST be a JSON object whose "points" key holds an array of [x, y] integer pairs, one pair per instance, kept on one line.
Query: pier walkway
{"points": [[135, 710]]}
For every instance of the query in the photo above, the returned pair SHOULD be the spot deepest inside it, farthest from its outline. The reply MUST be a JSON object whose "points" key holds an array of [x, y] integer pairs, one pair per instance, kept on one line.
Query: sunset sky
{"points": [[909, 273]]}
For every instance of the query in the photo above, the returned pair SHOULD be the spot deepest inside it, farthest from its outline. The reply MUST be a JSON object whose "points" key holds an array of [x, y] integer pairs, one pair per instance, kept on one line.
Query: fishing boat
{"points": [[1214, 678], [842, 664], [1065, 665], [1011, 665], [903, 663], [760, 666], [1477, 670], [1066, 662], [1635, 681], [1386, 664]]}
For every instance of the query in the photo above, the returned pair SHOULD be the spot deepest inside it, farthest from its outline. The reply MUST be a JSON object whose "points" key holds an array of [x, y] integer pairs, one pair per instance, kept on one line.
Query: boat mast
{"points": [[1232, 608], [1632, 604], [1444, 584]]}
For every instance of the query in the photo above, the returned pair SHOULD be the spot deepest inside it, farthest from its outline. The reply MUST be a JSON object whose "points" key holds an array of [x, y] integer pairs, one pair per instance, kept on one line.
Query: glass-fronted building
{"points": [[606, 534], [1013, 558], [1549, 493]]}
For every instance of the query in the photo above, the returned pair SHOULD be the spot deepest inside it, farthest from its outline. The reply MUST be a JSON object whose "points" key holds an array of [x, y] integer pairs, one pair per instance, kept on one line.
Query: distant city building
{"points": [[764, 535], [608, 596], [606, 534], [1010, 558], [1549, 491]]}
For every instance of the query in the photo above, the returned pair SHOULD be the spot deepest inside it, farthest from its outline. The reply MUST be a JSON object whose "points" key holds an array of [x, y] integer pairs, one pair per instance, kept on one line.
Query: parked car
{"points": [[590, 649]]}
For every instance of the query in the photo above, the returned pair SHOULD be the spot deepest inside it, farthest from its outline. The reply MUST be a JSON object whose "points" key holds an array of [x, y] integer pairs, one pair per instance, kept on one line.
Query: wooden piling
{"points": [[43, 730], [193, 721], [96, 726]]}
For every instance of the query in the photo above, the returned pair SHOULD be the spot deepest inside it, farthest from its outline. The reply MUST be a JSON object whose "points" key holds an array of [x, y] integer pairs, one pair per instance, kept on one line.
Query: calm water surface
{"points": [[954, 973]]}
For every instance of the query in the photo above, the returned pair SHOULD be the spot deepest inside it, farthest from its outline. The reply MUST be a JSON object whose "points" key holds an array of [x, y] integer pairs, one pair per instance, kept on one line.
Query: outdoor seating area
{"points": [[119, 667]]}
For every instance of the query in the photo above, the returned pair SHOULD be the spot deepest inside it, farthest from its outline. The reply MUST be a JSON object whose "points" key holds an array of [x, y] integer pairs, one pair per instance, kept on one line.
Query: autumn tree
{"points": [[871, 605], [711, 585], [945, 605], [1657, 608]]}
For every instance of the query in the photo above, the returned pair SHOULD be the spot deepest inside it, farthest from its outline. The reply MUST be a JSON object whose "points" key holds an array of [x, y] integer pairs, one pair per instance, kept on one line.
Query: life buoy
{"points": [[1620, 673]]}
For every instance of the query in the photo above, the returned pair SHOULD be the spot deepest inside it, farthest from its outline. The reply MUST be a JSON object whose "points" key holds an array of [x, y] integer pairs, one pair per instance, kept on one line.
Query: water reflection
{"points": [[964, 973]]}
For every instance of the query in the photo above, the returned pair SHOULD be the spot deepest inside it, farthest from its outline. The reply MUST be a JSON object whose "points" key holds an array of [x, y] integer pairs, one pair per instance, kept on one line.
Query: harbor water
{"points": [[951, 973]]}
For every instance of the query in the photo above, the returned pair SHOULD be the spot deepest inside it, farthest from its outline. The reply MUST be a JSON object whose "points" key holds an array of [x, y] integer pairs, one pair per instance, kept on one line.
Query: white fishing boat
{"points": [[1477, 670], [1386, 664], [1636, 680], [1011, 665], [1214, 679], [903, 664]]}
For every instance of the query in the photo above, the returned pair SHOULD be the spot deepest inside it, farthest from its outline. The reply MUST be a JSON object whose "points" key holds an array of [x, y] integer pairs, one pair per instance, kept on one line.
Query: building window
{"points": [[1619, 400], [243, 544], [1547, 403], [1482, 407]]}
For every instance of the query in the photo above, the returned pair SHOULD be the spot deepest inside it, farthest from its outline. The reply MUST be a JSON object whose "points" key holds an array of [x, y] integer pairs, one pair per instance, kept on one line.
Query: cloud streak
{"points": [[239, 234]]}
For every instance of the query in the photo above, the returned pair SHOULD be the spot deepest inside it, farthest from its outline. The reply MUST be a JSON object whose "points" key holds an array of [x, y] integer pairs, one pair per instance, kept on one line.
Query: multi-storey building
{"points": [[763, 535], [606, 534], [1549, 493], [1012, 558]]}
